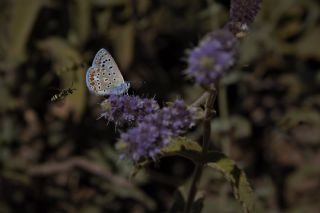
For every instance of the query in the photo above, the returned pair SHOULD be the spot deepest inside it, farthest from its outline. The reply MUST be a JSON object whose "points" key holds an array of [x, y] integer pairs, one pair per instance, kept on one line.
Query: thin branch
{"points": [[54, 168], [200, 100]]}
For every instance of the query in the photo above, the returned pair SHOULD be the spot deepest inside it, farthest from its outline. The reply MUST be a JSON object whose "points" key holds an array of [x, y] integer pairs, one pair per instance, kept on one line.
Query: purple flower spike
{"points": [[212, 57], [244, 11], [122, 109], [154, 132]]}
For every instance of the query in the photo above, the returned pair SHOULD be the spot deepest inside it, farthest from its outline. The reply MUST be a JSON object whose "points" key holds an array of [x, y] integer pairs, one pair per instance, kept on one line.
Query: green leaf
{"points": [[237, 178], [64, 55], [184, 147], [138, 167], [22, 19], [179, 202], [182, 144], [80, 21], [197, 205]]}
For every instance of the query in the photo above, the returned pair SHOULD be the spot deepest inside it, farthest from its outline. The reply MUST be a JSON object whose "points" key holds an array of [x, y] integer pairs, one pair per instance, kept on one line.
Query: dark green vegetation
{"points": [[56, 157]]}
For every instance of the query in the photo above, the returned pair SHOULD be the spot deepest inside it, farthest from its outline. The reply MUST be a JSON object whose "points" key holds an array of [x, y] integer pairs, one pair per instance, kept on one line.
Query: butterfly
{"points": [[62, 94], [104, 76]]}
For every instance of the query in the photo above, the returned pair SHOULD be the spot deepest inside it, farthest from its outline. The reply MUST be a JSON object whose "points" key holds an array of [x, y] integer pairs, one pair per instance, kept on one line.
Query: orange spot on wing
{"points": [[91, 76]]}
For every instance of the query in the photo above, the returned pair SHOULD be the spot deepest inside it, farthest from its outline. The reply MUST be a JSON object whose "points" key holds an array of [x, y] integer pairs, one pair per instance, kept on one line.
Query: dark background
{"points": [[57, 157]]}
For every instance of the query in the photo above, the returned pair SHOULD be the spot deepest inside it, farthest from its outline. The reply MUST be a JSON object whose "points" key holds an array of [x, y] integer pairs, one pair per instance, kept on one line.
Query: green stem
{"points": [[205, 146], [224, 115]]}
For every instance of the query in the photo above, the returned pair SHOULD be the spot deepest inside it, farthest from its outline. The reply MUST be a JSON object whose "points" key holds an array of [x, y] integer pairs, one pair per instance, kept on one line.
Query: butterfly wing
{"points": [[100, 57], [104, 74], [104, 60], [96, 83]]}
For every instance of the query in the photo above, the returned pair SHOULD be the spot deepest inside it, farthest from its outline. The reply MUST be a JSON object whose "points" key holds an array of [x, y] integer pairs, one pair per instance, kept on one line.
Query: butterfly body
{"points": [[104, 76]]}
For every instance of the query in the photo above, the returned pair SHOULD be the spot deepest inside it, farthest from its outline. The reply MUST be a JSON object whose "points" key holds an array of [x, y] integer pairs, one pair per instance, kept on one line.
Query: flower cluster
{"points": [[122, 109], [242, 13], [154, 132], [212, 57]]}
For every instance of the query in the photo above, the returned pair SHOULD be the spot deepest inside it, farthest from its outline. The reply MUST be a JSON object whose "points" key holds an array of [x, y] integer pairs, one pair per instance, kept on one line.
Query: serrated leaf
{"points": [[184, 147], [237, 178], [182, 143]]}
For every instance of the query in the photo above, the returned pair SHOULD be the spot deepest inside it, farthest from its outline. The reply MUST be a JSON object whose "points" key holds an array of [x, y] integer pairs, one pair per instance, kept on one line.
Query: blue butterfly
{"points": [[104, 76]]}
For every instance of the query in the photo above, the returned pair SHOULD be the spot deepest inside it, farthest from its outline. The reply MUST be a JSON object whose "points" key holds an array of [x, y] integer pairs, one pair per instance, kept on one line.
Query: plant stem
{"points": [[224, 115], [193, 188], [205, 145], [200, 100]]}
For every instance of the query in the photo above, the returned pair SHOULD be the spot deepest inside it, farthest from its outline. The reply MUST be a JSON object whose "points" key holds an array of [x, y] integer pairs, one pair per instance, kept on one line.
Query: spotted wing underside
{"points": [[104, 74]]}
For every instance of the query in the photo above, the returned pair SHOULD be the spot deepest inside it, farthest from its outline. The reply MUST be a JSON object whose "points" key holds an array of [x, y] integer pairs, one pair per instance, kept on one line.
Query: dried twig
{"points": [[53, 168]]}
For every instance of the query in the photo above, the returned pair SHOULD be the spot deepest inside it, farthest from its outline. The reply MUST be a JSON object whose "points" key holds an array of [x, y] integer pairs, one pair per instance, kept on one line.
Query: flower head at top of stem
{"points": [[213, 57], [242, 14]]}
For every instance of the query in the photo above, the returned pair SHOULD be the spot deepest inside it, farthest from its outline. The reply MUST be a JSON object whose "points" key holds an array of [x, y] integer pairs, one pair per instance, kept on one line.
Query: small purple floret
{"points": [[154, 132], [214, 56], [244, 11], [128, 109]]}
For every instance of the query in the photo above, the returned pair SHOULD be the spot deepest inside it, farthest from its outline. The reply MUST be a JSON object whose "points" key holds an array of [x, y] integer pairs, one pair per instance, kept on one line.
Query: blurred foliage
{"points": [[56, 157], [216, 160]]}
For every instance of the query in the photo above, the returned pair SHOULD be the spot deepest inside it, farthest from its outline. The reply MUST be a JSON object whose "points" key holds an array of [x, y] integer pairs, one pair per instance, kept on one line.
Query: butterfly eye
{"points": [[110, 67], [113, 73], [114, 79]]}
